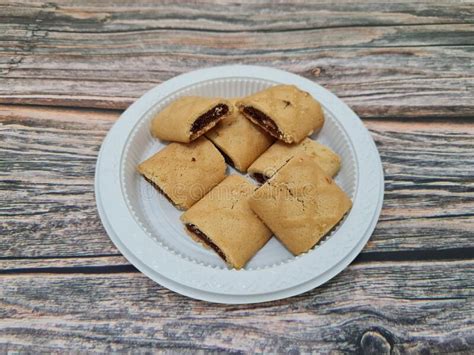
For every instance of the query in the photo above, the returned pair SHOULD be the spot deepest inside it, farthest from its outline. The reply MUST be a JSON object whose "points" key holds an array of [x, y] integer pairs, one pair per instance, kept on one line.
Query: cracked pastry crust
{"points": [[184, 173], [188, 118], [223, 221], [239, 140], [279, 153], [300, 204], [284, 111]]}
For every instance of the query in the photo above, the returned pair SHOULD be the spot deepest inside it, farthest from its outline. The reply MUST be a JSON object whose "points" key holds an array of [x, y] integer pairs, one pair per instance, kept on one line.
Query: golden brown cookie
{"points": [[189, 117], [239, 140], [300, 203], [279, 153], [224, 221], [184, 173], [284, 111]]}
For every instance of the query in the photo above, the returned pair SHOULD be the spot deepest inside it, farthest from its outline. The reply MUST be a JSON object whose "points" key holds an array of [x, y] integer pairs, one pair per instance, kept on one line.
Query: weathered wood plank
{"points": [[46, 41], [429, 184], [48, 160], [117, 53], [398, 307], [48, 156], [227, 16], [387, 82]]}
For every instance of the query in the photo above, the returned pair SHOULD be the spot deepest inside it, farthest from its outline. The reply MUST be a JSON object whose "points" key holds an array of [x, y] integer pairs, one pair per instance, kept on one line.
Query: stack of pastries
{"points": [[265, 135]]}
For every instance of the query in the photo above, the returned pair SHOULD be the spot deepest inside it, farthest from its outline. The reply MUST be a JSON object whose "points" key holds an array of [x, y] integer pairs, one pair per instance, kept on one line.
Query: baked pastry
{"points": [[300, 203], [279, 153], [189, 117], [239, 140], [284, 111], [224, 221], [184, 173]]}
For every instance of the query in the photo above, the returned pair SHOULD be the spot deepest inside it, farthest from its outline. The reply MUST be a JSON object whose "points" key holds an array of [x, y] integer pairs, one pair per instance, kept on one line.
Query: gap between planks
{"points": [[454, 254], [263, 30]]}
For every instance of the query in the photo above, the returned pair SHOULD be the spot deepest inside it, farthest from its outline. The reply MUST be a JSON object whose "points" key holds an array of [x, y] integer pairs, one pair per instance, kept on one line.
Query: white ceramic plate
{"points": [[145, 227]]}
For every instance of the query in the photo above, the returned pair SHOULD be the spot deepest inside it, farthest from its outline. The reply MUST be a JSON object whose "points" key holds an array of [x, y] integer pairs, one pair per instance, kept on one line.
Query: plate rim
{"points": [[107, 181]]}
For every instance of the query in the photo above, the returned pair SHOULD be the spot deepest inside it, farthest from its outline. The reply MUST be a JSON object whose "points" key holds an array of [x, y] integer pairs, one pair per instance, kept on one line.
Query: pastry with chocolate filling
{"points": [[223, 221], [184, 173], [300, 204], [279, 153], [239, 140], [284, 111], [188, 118]]}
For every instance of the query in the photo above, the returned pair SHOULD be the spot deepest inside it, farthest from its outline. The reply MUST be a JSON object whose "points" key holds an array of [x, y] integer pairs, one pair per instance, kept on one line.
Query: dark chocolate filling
{"points": [[210, 116], [263, 120], [159, 190], [260, 177], [197, 232]]}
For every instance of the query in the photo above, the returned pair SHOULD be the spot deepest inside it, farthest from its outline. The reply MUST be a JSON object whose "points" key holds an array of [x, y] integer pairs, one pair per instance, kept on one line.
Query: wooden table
{"points": [[69, 68]]}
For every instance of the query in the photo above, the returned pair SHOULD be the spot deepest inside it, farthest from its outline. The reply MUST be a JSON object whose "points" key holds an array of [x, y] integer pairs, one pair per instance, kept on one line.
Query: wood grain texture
{"points": [[401, 59], [429, 184], [48, 163], [391, 306], [229, 16], [67, 70]]}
